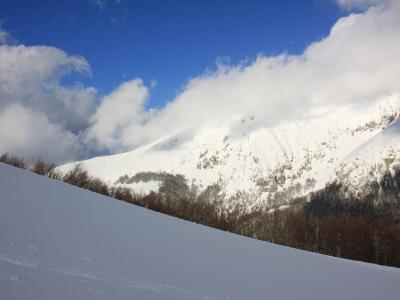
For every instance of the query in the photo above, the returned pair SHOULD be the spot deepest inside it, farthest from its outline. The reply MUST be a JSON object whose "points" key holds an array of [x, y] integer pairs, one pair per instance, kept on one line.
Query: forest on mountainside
{"points": [[327, 222]]}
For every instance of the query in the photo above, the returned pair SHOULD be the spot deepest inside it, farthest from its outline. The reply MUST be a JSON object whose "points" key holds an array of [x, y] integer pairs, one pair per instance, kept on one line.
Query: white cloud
{"points": [[31, 135], [31, 76], [30, 85], [361, 4], [355, 65], [117, 113]]}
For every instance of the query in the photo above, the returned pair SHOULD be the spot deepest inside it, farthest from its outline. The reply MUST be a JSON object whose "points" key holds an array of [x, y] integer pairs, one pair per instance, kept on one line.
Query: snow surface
{"points": [[61, 242]]}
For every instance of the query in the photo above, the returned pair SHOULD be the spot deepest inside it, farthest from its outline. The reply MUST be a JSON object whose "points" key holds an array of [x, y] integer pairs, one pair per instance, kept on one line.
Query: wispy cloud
{"points": [[99, 4], [4, 36], [360, 4]]}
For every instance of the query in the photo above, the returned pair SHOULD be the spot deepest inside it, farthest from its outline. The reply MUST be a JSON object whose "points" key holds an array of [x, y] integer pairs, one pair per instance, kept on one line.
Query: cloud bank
{"points": [[357, 63]]}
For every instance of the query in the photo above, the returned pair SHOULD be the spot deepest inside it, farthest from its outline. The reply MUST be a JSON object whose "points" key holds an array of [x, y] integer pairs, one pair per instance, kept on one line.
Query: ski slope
{"points": [[61, 242]]}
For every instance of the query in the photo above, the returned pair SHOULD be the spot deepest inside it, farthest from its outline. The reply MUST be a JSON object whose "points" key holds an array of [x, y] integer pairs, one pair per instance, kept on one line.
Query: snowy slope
{"points": [[268, 163], [61, 242], [378, 156]]}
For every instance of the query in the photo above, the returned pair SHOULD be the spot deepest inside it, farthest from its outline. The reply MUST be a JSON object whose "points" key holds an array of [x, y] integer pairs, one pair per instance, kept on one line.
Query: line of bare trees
{"points": [[315, 226]]}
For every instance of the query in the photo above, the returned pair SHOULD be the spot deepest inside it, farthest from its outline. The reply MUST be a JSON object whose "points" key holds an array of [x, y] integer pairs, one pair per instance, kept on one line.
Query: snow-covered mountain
{"points": [[269, 164], [370, 162], [61, 242]]}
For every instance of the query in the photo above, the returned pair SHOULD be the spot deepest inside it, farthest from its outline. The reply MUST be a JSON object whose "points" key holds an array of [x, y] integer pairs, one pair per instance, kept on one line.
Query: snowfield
{"points": [[61, 242], [269, 165]]}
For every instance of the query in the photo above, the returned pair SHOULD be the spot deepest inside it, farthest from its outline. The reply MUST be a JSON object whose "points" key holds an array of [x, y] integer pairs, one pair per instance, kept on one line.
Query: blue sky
{"points": [[167, 42]]}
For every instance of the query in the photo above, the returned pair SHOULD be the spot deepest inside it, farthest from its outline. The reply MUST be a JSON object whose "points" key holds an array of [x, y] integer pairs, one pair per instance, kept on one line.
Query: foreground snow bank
{"points": [[61, 242]]}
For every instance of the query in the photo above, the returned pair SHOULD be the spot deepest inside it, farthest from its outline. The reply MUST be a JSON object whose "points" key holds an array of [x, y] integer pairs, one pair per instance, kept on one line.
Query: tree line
{"points": [[327, 222]]}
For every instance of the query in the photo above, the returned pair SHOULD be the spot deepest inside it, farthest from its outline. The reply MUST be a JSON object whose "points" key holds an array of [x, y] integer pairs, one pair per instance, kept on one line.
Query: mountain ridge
{"points": [[265, 165]]}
